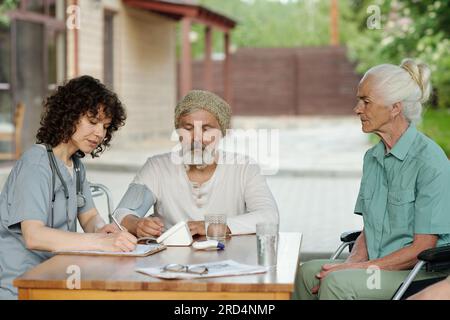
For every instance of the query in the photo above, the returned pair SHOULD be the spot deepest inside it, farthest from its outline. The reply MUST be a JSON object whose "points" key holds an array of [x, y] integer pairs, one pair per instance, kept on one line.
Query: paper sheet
{"points": [[215, 269]]}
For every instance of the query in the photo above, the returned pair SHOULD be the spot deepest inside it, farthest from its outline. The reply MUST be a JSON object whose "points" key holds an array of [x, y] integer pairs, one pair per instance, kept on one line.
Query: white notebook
{"points": [[142, 250]]}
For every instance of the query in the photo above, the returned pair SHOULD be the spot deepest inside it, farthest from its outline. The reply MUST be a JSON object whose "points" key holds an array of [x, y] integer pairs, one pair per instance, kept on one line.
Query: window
{"points": [[5, 75], [37, 6], [32, 60], [56, 58]]}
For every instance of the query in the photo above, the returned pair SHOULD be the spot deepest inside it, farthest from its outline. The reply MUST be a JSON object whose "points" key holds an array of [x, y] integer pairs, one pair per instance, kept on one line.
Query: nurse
{"points": [[404, 198], [39, 206]]}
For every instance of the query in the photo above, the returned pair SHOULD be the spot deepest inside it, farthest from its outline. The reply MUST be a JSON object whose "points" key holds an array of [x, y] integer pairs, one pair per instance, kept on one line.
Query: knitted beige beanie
{"points": [[205, 100]]}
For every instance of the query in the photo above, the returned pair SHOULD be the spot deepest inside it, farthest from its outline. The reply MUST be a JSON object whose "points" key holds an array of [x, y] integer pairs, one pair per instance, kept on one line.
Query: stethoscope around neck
{"points": [[81, 199]]}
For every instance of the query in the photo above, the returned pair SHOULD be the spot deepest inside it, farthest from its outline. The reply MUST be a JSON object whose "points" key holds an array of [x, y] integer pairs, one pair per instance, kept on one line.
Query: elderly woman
{"points": [[404, 196]]}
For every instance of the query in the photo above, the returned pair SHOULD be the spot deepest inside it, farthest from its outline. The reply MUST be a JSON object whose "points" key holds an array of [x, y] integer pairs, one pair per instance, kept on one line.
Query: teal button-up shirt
{"points": [[404, 192]]}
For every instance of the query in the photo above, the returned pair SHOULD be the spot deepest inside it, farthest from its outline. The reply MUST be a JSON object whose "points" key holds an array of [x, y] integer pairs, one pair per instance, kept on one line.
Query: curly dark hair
{"points": [[76, 98]]}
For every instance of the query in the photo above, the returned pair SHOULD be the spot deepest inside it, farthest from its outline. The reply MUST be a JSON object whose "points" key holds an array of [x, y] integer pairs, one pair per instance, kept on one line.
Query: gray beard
{"points": [[198, 158]]}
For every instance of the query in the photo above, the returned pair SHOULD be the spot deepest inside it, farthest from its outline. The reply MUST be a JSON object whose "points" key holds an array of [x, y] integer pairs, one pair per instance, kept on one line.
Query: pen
{"points": [[208, 245], [115, 221]]}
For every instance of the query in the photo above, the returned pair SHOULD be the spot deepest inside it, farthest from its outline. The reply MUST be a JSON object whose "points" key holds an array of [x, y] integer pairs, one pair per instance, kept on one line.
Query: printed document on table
{"points": [[215, 269]]}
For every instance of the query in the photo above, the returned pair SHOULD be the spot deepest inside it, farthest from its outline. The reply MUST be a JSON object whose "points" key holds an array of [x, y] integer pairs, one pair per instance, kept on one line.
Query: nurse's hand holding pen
{"points": [[117, 237], [118, 241]]}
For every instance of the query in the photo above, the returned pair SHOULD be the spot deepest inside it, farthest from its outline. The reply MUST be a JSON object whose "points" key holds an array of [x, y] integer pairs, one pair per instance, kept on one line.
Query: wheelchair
{"points": [[98, 190], [434, 259]]}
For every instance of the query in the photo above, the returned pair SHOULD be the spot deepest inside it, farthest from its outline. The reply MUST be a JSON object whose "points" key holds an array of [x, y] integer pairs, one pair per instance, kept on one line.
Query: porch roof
{"points": [[178, 9]]}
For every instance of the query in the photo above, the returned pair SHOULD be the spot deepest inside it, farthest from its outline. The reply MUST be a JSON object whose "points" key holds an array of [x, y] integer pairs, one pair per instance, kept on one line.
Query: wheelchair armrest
{"points": [[433, 255], [350, 236], [96, 191]]}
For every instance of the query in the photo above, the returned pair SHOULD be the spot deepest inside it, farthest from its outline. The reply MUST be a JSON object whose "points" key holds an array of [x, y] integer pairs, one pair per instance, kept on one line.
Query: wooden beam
{"points": [[47, 7], [214, 23], [223, 23], [178, 11], [207, 65], [76, 63], [227, 90], [186, 58], [23, 5], [334, 23], [37, 18], [182, 10]]}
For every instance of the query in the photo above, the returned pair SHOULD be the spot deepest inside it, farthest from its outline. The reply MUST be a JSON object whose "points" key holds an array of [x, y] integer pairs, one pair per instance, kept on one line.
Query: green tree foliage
{"points": [[409, 28], [418, 29], [272, 23], [6, 5]]}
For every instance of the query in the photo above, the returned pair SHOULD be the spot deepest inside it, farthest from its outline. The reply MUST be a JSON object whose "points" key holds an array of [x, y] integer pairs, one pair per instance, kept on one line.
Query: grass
{"points": [[436, 125]]}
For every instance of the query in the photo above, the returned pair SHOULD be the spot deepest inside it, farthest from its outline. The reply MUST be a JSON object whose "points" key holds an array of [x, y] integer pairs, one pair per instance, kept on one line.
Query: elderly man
{"points": [[201, 180], [404, 196]]}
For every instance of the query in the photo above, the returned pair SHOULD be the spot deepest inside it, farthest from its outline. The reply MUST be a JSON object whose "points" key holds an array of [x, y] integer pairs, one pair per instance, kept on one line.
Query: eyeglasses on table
{"points": [[176, 267]]}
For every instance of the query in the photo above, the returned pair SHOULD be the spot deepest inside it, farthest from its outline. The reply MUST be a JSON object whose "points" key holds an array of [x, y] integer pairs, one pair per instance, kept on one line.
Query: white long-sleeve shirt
{"points": [[237, 190]]}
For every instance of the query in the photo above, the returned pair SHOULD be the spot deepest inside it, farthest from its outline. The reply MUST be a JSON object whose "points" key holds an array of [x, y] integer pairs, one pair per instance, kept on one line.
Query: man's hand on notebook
{"points": [[149, 227], [197, 227]]}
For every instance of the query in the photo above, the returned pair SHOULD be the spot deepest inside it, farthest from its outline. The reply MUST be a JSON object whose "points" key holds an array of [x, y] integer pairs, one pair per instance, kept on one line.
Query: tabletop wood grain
{"points": [[118, 273]]}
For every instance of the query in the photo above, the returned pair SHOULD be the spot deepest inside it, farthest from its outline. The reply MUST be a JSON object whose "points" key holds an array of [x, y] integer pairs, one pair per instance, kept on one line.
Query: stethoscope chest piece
{"points": [[81, 200]]}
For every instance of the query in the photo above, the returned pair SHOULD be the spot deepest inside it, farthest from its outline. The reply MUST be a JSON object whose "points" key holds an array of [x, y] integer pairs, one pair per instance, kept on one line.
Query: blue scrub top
{"points": [[27, 195]]}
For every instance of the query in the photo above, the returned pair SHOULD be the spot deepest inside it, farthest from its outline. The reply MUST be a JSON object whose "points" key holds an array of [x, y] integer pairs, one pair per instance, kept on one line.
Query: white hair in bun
{"points": [[408, 83]]}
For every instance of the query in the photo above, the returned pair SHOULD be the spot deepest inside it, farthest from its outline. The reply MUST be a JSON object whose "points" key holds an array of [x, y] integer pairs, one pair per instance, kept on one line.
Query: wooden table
{"points": [[116, 278]]}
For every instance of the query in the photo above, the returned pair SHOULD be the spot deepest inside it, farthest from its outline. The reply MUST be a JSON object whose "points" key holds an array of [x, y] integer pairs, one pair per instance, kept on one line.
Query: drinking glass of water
{"points": [[267, 243], [216, 227]]}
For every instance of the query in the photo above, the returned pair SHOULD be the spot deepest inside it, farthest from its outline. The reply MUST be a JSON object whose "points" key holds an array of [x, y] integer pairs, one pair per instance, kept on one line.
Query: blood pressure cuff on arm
{"points": [[137, 201]]}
